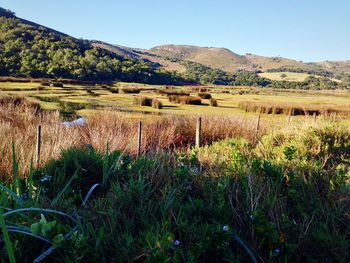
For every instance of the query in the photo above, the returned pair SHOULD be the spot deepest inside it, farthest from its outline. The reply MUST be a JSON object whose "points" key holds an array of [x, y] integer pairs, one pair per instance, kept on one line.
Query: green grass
{"points": [[280, 200], [55, 98]]}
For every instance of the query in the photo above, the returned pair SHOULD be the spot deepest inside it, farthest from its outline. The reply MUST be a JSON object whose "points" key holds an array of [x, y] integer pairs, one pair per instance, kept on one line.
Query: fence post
{"points": [[139, 141], [314, 117], [258, 123], [38, 144], [198, 132]]}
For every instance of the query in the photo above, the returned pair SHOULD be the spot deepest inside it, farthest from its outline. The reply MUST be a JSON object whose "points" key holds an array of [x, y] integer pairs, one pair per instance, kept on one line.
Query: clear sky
{"points": [[308, 30]]}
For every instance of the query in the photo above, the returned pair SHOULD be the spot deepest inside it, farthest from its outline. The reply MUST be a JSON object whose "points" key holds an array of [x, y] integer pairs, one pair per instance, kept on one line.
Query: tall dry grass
{"points": [[290, 109], [18, 124]]}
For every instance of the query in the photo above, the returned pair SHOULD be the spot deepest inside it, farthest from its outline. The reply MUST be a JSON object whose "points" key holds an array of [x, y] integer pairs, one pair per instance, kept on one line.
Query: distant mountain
{"points": [[171, 57]]}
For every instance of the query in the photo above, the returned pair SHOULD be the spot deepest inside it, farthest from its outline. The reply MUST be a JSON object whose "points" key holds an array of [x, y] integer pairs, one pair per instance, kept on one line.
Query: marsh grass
{"points": [[288, 108], [19, 124], [190, 100], [129, 90]]}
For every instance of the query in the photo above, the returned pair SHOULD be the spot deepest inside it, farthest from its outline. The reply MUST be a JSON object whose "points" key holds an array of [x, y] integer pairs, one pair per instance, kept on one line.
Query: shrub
{"points": [[204, 95], [19, 103], [143, 101], [174, 98], [57, 84], [157, 104], [286, 108], [199, 89], [213, 102], [45, 83], [190, 100], [84, 166], [185, 100], [129, 90]]}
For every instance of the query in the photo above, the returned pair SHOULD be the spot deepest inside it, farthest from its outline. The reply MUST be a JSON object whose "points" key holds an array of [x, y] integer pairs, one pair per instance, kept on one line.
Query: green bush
{"points": [[284, 199], [85, 167]]}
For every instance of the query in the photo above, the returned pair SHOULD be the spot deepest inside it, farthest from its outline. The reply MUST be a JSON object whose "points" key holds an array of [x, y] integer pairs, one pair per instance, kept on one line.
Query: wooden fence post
{"points": [[198, 132], [38, 144], [258, 123], [139, 141]]}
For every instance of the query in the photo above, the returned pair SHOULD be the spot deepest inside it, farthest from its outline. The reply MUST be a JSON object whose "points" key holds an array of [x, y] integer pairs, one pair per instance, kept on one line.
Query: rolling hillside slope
{"points": [[175, 57]]}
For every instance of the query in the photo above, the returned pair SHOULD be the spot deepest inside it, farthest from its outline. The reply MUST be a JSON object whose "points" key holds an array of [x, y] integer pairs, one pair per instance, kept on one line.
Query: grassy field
{"points": [[84, 100], [288, 76], [279, 194]]}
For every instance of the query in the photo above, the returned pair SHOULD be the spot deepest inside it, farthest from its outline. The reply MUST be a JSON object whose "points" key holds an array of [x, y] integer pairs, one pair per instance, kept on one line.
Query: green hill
{"points": [[28, 49]]}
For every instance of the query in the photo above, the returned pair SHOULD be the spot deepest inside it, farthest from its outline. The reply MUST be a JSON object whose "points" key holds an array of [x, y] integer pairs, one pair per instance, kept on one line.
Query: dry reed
{"points": [[18, 124]]}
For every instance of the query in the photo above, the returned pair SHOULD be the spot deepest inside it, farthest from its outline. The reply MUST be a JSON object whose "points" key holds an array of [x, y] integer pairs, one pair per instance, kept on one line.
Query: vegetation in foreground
{"points": [[283, 198]]}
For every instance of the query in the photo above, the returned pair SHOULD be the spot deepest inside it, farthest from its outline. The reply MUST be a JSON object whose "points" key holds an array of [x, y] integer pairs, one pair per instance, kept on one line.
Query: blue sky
{"points": [[307, 30]]}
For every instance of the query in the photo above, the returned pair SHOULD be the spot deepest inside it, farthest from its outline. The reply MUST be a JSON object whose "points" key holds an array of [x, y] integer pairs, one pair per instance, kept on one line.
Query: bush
{"points": [[57, 84], [174, 99], [129, 90], [143, 101], [213, 102], [185, 100], [286, 108], [190, 100], [157, 104], [204, 95], [19, 103], [45, 83], [199, 89], [84, 164]]}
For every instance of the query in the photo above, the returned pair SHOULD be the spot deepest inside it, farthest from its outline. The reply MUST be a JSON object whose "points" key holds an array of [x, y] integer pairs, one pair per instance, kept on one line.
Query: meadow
{"points": [[84, 99], [279, 193]]}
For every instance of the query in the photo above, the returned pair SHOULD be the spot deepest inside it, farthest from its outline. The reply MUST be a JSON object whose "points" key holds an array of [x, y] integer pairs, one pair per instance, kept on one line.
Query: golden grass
{"points": [[116, 129], [290, 108], [287, 76], [104, 97]]}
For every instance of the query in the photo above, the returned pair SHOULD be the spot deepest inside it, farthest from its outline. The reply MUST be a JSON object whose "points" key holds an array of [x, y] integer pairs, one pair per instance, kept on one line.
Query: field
{"points": [[288, 76], [85, 99], [273, 188]]}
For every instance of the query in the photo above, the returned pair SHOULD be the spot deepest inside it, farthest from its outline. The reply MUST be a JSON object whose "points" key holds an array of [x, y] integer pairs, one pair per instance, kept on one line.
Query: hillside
{"points": [[32, 50], [217, 58], [172, 57]]}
